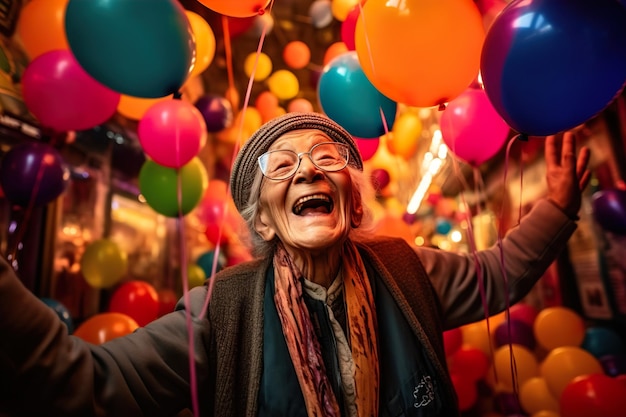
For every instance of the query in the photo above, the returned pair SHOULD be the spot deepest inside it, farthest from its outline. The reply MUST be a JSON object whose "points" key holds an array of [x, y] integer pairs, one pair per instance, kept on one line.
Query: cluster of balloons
{"points": [[539, 363]]}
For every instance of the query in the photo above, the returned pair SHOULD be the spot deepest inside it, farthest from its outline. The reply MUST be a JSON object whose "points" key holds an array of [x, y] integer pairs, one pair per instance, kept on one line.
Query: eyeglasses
{"points": [[282, 164]]}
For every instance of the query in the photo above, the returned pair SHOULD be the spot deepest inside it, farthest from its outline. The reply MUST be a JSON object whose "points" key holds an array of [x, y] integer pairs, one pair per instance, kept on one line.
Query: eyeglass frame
{"points": [[300, 155]]}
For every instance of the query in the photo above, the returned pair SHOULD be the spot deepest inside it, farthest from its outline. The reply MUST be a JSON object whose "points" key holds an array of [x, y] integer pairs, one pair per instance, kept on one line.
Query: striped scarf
{"points": [[304, 348]]}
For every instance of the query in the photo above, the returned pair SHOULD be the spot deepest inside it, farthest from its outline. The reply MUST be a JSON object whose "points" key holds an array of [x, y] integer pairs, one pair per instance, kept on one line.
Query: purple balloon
{"points": [[614, 365], [216, 110], [33, 171], [516, 332], [609, 210]]}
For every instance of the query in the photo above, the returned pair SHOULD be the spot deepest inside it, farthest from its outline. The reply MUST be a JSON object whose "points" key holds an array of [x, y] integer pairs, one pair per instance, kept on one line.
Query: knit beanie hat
{"points": [[245, 166]]}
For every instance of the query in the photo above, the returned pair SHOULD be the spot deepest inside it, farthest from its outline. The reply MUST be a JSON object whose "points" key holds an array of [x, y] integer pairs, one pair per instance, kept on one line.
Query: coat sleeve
{"points": [[45, 371], [526, 252]]}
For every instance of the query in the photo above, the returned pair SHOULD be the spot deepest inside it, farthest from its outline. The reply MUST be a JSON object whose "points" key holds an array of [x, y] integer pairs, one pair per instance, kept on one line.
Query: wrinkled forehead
{"points": [[303, 135]]}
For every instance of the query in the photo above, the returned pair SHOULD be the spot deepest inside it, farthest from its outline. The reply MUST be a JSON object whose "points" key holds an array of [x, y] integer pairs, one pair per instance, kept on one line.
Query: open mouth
{"points": [[316, 203]]}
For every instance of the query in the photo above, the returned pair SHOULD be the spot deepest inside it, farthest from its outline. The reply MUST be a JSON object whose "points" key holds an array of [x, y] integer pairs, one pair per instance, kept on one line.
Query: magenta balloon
{"points": [[172, 132], [63, 96], [609, 209], [472, 128]]}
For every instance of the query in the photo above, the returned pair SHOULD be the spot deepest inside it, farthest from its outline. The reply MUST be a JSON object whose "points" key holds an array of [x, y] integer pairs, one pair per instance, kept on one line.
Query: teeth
{"points": [[297, 208]]}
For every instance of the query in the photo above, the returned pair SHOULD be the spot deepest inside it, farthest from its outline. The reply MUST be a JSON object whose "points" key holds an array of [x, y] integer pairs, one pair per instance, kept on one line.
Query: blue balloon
{"points": [[138, 48], [61, 311], [205, 261], [349, 98], [602, 341], [551, 65]]}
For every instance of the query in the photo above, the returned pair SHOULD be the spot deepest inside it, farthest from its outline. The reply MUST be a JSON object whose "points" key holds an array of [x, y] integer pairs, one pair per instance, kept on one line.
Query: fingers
{"points": [[568, 153], [551, 153], [582, 173]]}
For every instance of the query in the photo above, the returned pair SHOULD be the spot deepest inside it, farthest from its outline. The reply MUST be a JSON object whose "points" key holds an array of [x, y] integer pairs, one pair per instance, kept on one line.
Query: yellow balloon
{"points": [[252, 120], [535, 396], [263, 66], [41, 26], [524, 366], [205, 42], [565, 363], [558, 326], [341, 8], [476, 336], [195, 276], [405, 135], [284, 84], [135, 107], [103, 264]]}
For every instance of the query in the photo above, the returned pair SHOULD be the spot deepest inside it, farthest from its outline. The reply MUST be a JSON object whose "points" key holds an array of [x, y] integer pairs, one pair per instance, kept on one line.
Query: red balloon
{"points": [[137, 299], [593, 395], [167, 301], [469, 362], [466, 391], [452, 340]]}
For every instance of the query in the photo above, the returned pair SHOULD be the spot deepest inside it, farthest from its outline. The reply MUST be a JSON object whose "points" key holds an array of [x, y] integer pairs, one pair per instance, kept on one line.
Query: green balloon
{"points": [[159, 186]]}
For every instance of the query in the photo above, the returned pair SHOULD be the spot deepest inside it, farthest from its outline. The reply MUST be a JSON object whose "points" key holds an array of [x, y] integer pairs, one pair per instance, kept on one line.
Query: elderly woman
{"points": [[324, 322]]}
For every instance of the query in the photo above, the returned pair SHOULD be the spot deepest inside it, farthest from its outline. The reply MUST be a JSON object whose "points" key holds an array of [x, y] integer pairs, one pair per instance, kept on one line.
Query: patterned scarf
{"points": [[304, 348]]}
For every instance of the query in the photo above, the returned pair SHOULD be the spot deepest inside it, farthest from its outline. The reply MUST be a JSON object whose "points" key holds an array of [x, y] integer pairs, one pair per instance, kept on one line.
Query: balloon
{"points": [[104, 327], [470, 362], [341, 8], [159, 186], [421, 53], [348, 27], [239, 8], [508, 404], [33, 172], [333, 51], [137, 299], [347, 96], [167, 301], [523, 312], [515, 331], [62, 312], [321, 13], [149, 58], [195, 276], [558, 326], [466, 390], [380, 178], [135, 107], [103, 264], [263, 66], [172, 132], [535, 396], [593, 395], [266, 103], [205, 261], [476, 335], [563, 364], [609, 209], [404, 136], [205, 42], [300, 105], [367, 147], [63, 96], [216, 111], [41, 26], [601, 341], [524, 366], [284, 84], [531, 66], [452, 340], [296, 54], [472, 128], [614, 365]]}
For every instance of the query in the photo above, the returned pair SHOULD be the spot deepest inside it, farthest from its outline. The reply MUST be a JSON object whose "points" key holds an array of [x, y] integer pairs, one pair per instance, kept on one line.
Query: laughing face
{"points": [[313, 209]]}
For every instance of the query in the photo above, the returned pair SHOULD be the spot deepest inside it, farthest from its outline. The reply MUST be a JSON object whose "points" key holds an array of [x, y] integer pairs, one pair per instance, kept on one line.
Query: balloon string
{"points": [[236, 148], [513, 363], [228, 52], [368, 45], [19, 235]]}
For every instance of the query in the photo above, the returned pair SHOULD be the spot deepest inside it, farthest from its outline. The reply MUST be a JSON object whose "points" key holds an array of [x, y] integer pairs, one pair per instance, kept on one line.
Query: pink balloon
{"points": [[368, 147], [523, 312], [172, 132], [348, 27], [63, 96], [472, 128]]}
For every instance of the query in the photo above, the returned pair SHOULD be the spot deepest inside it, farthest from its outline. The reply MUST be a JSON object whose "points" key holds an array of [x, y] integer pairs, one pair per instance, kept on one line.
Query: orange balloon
{"points": [[135, 107], [296, 54], [266, 103], [563, 364], [534, 396], [421, 53], [238, 8], [524, 366], [103, 327], [558, 326], [334, 50], [41, 26], [405, 135]]}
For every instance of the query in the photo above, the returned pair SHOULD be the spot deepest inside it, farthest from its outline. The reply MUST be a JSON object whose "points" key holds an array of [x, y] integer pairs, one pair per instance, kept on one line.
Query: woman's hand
{"points": [[566, 175]]}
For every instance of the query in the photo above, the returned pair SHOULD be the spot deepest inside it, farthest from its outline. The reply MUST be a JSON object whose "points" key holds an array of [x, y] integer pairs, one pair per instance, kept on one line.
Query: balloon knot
{"points": [[260, 11], [442, 106], [522, 137], [177, 95]]}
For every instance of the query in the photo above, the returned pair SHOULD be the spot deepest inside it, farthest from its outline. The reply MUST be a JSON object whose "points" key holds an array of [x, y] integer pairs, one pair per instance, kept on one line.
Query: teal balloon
{"points": [[350, 99], [159, 185], [137, 48], [205, 261], [61, 311]]}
